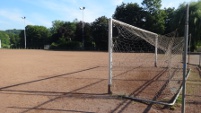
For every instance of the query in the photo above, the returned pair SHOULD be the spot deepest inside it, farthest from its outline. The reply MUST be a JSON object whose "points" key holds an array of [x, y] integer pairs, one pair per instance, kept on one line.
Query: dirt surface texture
{"points": [[41, 81]]}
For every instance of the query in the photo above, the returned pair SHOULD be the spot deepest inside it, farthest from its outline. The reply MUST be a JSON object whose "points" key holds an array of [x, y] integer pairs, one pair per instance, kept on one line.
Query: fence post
{"points": [[184, 60], [199, 59]]}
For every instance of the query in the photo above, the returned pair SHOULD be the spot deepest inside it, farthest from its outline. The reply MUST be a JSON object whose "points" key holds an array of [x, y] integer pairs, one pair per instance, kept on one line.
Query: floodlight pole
{"points": [[24, 33], [184, 59], [82, 8]]}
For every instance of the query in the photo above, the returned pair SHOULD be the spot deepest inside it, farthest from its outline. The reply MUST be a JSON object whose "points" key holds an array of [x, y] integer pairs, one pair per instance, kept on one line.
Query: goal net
{"points": [[144, 65]]}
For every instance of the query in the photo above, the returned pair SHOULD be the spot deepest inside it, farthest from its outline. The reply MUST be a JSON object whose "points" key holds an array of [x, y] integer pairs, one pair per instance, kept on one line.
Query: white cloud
{"points": [[11, 18], [117, 2], [43, 12], [173, 3], [10, 14], [62, 9], [40, 20], [69, 10]]}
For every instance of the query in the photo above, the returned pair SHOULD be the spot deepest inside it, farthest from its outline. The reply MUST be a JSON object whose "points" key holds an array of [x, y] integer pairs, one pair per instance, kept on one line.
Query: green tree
{"points": [[88, 40], [78, 32], [149, 17], [155, 17], [14, 40], [64, 37], [168, 20], [67, 30], [194, 22], [100, 33], [13, 31], [56, 25], [14, 37], [178, 21], [36, 36], [152, 6], [130, 13], [5, 40]]}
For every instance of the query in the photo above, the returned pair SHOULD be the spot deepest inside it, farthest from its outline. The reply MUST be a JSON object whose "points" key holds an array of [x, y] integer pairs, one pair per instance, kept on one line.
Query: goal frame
{"points": [[185, 70]]}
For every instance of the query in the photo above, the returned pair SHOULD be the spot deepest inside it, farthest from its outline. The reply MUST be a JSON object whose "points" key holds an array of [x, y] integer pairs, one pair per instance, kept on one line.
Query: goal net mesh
{"points": [[145, 65]]}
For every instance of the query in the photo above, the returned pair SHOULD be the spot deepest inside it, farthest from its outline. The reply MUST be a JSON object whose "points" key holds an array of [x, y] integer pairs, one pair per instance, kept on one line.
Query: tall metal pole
{"points": [[199, 59], [156, 51], [184, 59], [82, 8], [110, 49], [25, 42], [189, 49]]}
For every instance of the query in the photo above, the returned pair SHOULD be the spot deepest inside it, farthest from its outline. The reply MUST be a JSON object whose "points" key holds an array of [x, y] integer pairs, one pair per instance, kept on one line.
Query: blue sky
{"points": [[43, 12]]}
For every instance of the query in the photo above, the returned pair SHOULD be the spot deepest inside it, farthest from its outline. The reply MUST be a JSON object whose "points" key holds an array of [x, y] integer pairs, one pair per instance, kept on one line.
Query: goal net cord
{"points": [[164, 41]]}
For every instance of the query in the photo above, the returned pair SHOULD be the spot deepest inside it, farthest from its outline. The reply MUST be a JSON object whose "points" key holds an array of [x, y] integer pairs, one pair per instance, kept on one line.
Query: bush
{"points": [[54, 45], [5, 46], [70, 45]]}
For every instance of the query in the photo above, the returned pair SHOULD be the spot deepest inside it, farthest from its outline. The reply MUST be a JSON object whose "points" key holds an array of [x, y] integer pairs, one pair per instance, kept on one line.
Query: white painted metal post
{"points": [[83, 8], [25, 42], [156, 51], [110, 48]]}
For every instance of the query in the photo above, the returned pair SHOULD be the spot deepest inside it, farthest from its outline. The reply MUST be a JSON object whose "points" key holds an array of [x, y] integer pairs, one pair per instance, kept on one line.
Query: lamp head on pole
{"points": [[82, 8], [24, 17]]}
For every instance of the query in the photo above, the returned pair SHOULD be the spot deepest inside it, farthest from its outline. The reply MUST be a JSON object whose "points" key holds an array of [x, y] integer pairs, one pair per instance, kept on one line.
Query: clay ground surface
{"points": [[39, 81]]}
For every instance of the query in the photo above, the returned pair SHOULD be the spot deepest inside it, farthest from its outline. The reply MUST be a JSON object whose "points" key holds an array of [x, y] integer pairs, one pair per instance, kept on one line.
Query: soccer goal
{"points": [[144, 65]]}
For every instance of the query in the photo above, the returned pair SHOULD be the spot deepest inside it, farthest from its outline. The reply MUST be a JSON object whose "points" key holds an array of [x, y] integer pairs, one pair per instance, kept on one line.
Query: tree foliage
{"points": [[100, 33], [178, 22], [169, 20], [149, 17], [130, 13], [69, 36], [152, 6], [56, 24], [195, 23], [155, 17], [36, 36], [64, 36], [14, 40], [5, 40], [13, 31]]}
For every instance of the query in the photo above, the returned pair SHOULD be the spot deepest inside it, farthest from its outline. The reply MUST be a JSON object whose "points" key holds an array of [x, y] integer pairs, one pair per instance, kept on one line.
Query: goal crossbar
{"points": [[133, 27]]}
